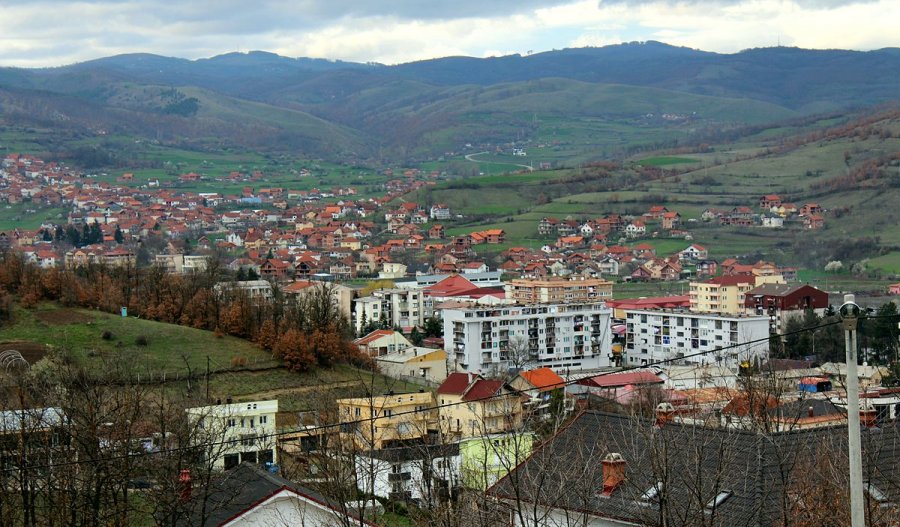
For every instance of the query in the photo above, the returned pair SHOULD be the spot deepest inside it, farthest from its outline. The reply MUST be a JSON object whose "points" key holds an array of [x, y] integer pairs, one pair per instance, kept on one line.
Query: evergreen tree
{"points": [[416, 337], [73, 236], [120, 238]]}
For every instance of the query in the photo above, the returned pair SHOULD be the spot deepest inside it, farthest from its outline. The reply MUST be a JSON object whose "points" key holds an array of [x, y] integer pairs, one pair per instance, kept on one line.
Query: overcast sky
{"points": [[56, 32]]}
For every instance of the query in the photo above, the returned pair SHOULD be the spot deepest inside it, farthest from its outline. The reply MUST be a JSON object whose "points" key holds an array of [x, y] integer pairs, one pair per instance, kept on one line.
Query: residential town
{"points": [[521, 365]]}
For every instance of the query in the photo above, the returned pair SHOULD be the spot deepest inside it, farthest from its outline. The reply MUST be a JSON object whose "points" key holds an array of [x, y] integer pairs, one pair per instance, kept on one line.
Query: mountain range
{"points": [[421, 109]]}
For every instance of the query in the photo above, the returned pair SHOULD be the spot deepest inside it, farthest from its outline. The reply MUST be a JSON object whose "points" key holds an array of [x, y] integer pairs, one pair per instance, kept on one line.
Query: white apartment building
{"points": [[573, 336], [236, 432], [681, 336], [255, 289], [181, 263], [399, 307]]}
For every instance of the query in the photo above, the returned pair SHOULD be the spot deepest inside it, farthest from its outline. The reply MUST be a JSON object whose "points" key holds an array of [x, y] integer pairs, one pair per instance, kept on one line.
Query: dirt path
{"points": [[471, 157]]}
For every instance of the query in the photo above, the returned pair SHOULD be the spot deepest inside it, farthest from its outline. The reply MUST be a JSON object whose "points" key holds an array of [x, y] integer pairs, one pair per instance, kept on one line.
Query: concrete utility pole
{"points": [[850, 316]]}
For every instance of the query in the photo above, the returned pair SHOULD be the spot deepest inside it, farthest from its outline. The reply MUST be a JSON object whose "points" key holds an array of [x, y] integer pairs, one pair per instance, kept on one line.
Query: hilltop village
{"points": [[529, 390]]}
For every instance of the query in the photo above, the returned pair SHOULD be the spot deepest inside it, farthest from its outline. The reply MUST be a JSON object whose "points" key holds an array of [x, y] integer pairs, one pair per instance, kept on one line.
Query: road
{"points": [[469, 157]]}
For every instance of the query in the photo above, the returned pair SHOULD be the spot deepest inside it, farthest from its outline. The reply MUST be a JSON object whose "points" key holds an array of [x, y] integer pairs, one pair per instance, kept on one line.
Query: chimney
{"points": [[613, 472], [665, 413], [185, 484], [868, 418]]}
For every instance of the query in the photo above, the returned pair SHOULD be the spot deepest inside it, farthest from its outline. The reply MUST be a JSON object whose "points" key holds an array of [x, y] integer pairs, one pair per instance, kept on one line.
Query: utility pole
{"points": [[850, 317], [207, 378]]}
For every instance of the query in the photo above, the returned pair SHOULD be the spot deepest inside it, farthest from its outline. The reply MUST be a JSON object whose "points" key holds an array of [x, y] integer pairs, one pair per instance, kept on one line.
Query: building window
{"points": [[263, 419]]}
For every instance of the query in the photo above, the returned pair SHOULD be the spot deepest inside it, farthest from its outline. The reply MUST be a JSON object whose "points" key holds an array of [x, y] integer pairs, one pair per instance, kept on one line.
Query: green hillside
{"points": [[165, 354], [852, 171]]}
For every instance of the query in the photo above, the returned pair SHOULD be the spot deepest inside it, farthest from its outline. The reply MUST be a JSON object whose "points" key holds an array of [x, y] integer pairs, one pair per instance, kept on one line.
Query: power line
{"points": [[372, 419]]}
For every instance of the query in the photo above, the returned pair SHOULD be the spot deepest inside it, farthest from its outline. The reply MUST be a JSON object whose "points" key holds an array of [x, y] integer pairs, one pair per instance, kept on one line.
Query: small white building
{"points": [[236, 433], [419, 474], [255, 289]]}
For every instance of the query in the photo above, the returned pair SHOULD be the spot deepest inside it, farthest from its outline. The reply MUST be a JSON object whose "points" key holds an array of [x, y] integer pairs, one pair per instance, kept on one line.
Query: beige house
{"points": [[383, 421], [471, 406], [424, 363], [383, 342], [342, 295]]}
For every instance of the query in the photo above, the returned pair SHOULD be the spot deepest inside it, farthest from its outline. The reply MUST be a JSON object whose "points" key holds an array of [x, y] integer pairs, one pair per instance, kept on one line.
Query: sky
{"points": [[38, 33]]}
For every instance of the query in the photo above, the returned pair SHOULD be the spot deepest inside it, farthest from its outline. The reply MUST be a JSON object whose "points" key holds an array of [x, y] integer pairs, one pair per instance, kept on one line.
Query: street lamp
{"points": [[850, 317]]}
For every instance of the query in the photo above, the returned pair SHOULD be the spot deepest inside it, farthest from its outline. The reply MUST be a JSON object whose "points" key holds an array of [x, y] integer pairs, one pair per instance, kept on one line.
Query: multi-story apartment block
{"points": [[238, 432], [572, 336], [384, 421], [396, 306], [559, 291], [725, 294], [681, 336]]}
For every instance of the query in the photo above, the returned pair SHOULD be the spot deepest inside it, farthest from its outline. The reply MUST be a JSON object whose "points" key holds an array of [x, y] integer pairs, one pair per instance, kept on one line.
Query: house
{"points": [[608, 470], [772, 221], [422, 474], [814, 221], [436, 232], [656, 212], [249, 495], [811, 208], [782, 302], [386, 421], [693, 253], [245, 429], [471, 406], [414, 363], [635, 229], [769, 201], [670, 220], [440, 212], [383, 342], [894, 289], [539, 386]]}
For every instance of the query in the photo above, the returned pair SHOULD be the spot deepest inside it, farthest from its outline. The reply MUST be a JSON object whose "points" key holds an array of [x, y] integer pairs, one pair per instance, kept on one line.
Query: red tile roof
{"points": [[456, 383], [621, 379], [373, 336], [543, 379], [732, 279], [482, 389]]}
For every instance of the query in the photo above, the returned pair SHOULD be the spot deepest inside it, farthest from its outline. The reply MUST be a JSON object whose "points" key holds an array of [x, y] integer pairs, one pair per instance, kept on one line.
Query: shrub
{"points": [[238, 362], [106, 335], [141, 340]]}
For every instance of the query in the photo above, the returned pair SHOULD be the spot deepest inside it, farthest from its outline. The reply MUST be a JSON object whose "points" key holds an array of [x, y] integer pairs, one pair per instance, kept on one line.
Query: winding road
{"points": [[470, 157]]}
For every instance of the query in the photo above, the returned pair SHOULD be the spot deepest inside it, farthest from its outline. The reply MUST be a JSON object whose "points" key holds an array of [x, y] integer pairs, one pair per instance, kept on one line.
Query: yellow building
{"points": [[471, 406], [383, 421], [559, 291], [725, 294]]}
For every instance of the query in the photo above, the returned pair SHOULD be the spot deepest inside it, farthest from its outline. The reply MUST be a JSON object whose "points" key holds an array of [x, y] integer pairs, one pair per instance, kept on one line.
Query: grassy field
{"points": [[660, 161], [173, 350], [28, 216], [169, 348]]}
